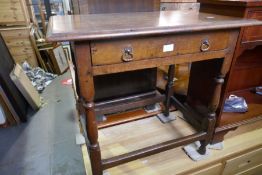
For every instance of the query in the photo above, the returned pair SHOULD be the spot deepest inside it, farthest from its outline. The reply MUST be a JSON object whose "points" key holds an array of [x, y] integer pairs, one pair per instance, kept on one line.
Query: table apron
{"points": [[156, 62]]}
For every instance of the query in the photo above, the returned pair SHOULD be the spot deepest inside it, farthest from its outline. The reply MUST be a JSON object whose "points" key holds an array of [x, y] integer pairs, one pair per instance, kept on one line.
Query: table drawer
{"points": [[30, 58], [17, 42], [252, 34], [13, 12], [133, 49], [243, 162], [10, 33], [21, 50]]}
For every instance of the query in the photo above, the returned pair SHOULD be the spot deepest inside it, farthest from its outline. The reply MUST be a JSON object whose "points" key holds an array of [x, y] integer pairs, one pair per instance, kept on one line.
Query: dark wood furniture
{"points": [[114, 43], [246, 69], [114, 6], [8, 88]]}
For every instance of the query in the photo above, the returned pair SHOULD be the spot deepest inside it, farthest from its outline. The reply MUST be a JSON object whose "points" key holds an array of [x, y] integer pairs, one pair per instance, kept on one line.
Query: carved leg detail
{"points": [[219, 80], [92, 134], [87, 93], [212, 114], [210, 130], [95, 157], [169, 88]]}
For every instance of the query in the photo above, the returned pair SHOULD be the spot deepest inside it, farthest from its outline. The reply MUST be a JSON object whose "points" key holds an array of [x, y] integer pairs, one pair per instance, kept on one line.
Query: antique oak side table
{"points": [[115, 43]]}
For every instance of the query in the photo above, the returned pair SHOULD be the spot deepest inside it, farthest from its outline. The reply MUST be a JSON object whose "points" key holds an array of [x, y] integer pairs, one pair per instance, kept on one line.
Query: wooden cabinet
{"points": [[246, 68], [253, 34], [113, 6], [15, 22], [249, 163], [18, 42], [214, 170], [14, 12], [240, 164]]}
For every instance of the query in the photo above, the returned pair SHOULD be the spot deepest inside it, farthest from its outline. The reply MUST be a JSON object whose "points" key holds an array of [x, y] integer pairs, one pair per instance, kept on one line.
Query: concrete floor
{"points": [[45, 145]]}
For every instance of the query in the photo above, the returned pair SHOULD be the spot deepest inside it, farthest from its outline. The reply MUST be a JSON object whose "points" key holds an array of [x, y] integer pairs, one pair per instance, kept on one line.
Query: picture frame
{"points": [[68, 53], [59, 59]]}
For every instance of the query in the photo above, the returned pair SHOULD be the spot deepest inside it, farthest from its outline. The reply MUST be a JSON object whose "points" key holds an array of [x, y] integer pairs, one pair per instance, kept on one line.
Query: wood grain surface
{"points": [[18, 42], [173, 161], [102, 26], [110, 52]]}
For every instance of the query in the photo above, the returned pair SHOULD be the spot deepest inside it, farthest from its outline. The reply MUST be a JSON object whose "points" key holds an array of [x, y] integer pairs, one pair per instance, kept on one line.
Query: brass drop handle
{"points": [[127, 54], [205, 46]]}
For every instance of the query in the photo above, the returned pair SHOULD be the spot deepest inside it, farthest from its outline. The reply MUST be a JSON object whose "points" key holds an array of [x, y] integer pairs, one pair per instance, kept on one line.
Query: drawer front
{"points": [[21, 50], [118, 51], [17, 42], [257, 170], [214, 170], [15, 34], [13, 12], [30, 58], [243, 162], [252, 34], [19, 45]]}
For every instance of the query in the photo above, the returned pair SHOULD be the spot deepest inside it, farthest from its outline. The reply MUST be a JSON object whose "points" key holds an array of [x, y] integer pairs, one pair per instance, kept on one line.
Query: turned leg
{"points": [[169, 89], [87, 93], [92, 135], [213, 105], [211, 121]]}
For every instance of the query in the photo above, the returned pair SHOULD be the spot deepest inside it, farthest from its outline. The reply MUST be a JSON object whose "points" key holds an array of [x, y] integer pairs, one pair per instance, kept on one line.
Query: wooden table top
{"points": [[115, 25], [245, 3]]}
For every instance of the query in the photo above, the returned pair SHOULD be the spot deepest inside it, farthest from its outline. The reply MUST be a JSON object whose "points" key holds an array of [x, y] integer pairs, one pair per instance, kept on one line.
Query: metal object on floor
{"points": [[152, 108], [166, 119]]}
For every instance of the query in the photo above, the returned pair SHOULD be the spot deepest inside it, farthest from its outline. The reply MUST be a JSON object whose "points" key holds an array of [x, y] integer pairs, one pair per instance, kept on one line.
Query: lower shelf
{"points": [[254, 102], [128, 116], [128, 103]]}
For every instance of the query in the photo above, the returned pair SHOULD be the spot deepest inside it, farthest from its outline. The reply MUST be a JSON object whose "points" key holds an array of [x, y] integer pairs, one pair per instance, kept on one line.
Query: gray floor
{"points": [[44, 145]]}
